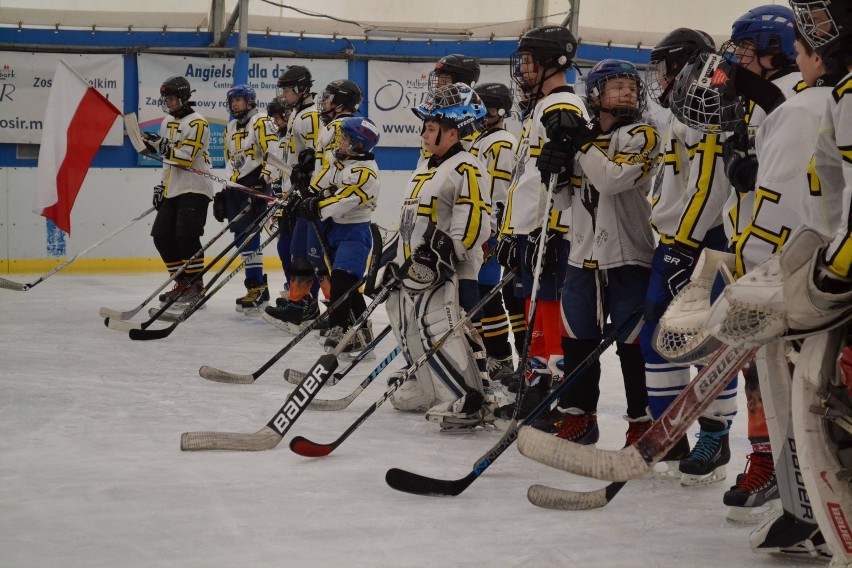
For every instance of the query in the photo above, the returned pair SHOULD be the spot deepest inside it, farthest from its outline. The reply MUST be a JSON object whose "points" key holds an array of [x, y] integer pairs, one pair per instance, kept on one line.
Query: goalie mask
{"points": [[175, 87], [614, 86], [457, 68], [668, 57], [247, 94], [362, 134], [456, 106], [339, 97], [703, 96], [827, 26]]}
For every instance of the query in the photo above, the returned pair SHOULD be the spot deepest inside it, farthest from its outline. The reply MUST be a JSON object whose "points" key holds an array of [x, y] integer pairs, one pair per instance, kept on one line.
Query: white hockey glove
{"points": [[432, 262]]}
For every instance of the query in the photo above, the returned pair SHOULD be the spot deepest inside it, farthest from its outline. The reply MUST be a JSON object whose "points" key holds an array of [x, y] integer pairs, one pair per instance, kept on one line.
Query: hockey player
{"points": [[445, 216], [495, 147], [344, 197], [538, 66], [279, 113], [688, 198], [181, 198], [454, 68], [612, 246], [299, 305], [248, 138]]}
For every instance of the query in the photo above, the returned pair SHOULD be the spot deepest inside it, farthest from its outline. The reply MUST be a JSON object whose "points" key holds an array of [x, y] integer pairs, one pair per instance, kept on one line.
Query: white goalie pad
{"points": [[823, 449], [682, 336], [778, 298]]}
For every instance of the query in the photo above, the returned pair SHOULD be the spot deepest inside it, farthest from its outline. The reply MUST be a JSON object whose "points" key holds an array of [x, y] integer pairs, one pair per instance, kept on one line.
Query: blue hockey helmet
{"points": [[362, 132], [248, 95], [770, 28], [608, 70], [456, 105]]}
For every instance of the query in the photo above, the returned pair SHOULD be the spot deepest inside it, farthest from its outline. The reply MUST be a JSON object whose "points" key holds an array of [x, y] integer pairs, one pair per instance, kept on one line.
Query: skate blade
{"points": [[754, 515], [253, 312], [689, 480], [666, 470]]}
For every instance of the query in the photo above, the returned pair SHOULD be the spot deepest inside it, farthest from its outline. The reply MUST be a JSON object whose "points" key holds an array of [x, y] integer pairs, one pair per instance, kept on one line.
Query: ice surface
{"points": [[91, 473]]}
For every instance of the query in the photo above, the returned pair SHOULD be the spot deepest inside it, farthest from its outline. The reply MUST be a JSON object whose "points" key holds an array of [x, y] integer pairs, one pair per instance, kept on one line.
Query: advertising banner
{"points": [[25, 81], [211, 79]]}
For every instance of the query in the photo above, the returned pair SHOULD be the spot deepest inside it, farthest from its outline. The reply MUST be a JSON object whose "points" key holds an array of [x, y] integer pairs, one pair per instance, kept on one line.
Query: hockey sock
{"points": [[664, 380], [517, 319], [495, 327], [342, 282], [633, 373], [757, 427], [584, 391], [301, 279]]}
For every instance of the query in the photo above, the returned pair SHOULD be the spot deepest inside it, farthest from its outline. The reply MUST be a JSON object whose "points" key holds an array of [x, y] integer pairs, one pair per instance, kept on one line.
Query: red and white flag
{"points": [[77, 120]]}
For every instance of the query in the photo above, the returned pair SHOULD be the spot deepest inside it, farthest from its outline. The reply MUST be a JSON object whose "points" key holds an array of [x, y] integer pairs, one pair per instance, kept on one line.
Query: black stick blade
{"points": [[147, 334], [408, 482]]}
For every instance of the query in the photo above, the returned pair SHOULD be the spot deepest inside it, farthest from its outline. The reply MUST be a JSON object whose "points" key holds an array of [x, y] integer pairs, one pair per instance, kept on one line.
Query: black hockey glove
{"points": [[309, 208], [555, 158], [566, 126], [551, 251], [220, 206], [740, 163], [507, 252], [304, 169], [276, 189], [156, 143], [678, 263], [259, 204], [159, 194], [432, 262]]}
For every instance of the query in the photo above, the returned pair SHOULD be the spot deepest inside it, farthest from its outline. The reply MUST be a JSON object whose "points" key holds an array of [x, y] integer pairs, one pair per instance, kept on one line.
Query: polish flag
{"points": [[76, 122]]}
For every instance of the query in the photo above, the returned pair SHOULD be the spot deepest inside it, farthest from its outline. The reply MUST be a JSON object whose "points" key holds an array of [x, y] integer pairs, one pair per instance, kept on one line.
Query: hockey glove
{"points": [[309, 208], [156, 143], [555, 158], [302, 172], [678, 263], [220, 206], [507, 252], [159, 193], [432, 262], [567, 127], [740, 163], [551, 251]]}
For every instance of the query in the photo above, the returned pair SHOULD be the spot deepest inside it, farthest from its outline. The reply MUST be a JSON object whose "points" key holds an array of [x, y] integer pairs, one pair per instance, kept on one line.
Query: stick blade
{"points": [[109, 313], [566, 500], [217, 376], [264, 439], [293, 376], [619, 465], [305, 447], [416, 484], [148, 334], [332, 405], [121, 324], [11, 285]]}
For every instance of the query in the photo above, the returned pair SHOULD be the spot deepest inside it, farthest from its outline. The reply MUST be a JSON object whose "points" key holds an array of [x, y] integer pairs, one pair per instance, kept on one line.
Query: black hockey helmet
{"points": [[670, 55], [175, 86], [460, 68], [342, 93], [827, 26], [276, 107], [297, 77], [549, 46], [496, 95]]}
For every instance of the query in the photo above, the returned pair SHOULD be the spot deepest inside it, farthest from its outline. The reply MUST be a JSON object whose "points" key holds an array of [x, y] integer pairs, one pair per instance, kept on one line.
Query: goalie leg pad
{"points": [[417, 393]]}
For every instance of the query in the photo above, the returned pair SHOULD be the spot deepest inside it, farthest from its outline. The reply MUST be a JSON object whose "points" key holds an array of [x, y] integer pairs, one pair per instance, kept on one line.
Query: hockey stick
{"points": [[402, 480], [295, 377], [147, 334], [270, 435], [115, 314], [548, 497], [23, 287], [219, 376], [307, 448], [131, 126], [342, 403], [409, 482], [253, 228], [638, 459]]}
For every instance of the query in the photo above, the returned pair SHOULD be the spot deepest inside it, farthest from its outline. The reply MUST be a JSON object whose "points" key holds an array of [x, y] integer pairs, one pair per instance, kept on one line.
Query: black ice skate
{"points": [[295, 316], [755, 496], [705, 464]]}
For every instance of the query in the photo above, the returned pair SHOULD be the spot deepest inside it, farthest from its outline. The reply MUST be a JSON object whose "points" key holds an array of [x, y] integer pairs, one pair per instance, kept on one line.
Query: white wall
{"points": [[108, 199]]}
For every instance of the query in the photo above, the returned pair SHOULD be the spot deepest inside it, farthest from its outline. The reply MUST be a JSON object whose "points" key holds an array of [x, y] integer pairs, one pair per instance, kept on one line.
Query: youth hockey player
{"points": [[688, 197], [454, 68], [612, 245], [344, 198], [445, 216], [538, 67], [279, 114], [181, 198], [495, 147], [248, 138]]}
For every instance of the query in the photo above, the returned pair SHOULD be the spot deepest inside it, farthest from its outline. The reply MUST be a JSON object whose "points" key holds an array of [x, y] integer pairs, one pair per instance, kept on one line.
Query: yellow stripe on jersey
{"points": [[842, 89], [846, 153], [364, 175], [477, 204], [800, 86], [762, 198], [708, 150], [494, 150], [814, 185], [840, 262], [196, 142]]}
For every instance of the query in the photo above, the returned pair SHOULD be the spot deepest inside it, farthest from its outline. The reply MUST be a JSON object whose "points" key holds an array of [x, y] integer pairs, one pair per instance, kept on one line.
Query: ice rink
{"points": [[91, 473]]}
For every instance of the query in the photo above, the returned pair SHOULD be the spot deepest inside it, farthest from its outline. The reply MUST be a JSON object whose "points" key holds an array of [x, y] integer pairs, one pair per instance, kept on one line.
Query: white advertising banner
{"points": [[397, 88], [211, 79], [25, 81]]}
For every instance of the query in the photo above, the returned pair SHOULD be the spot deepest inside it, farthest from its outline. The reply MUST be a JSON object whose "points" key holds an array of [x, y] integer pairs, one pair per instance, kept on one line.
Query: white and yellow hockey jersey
{"points": [[690, 188], [495, 149], [786, 193], [303, 131], [526, 203], [833, 165], [352, 187], [451, 196], [610, 211], [189, 139], [246, 147]]}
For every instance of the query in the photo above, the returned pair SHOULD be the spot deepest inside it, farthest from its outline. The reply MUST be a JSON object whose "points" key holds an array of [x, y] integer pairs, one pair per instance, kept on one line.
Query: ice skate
{"points": [[705, 464], [754, 498]]}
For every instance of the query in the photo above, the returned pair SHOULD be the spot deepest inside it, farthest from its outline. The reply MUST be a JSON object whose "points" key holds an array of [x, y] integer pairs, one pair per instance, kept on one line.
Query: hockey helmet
{"points": [[339, 93], [296, 77], [362, 132], [460, 68], [175, 86], [605, 71], [249, 96], [456, 106], [827, 26], [496, 95], [703, 96], [669, 56], [770, 29]]}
